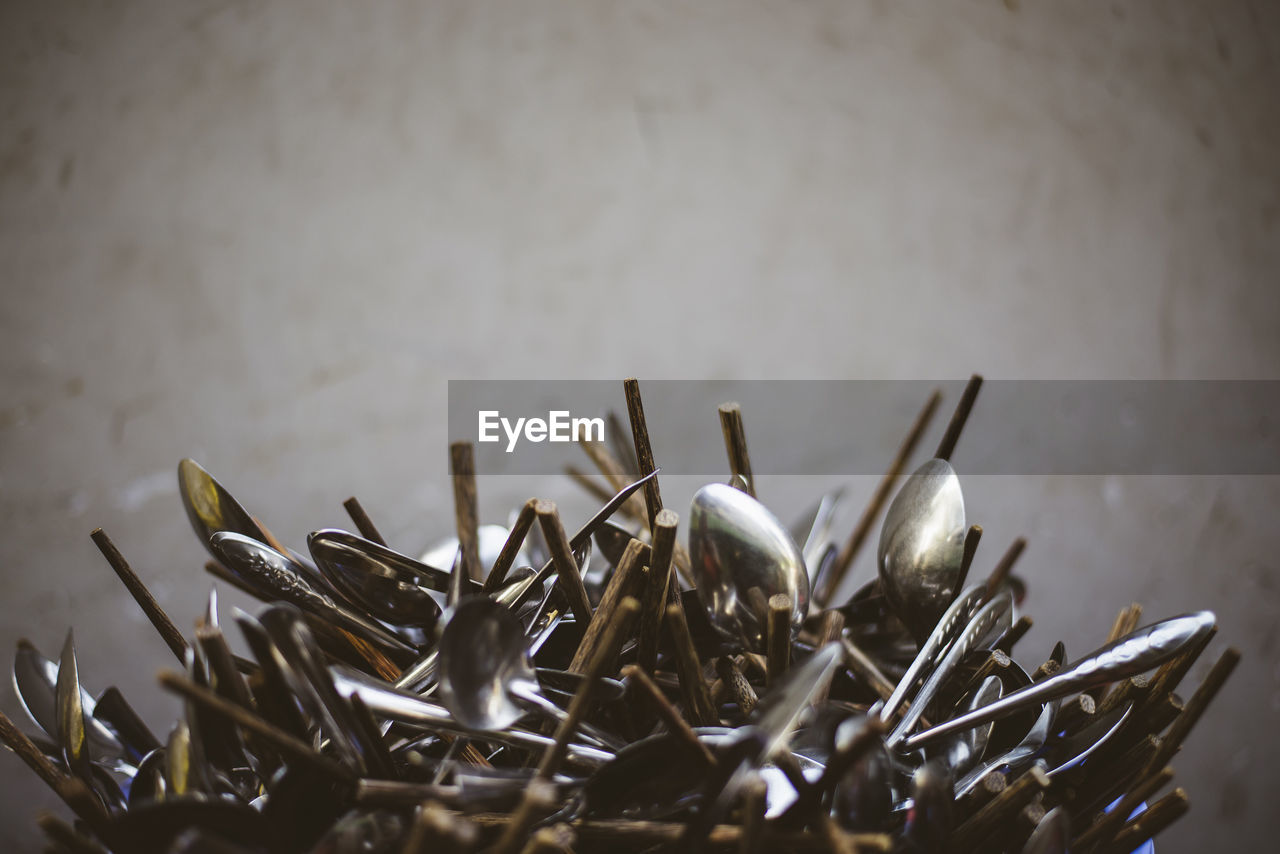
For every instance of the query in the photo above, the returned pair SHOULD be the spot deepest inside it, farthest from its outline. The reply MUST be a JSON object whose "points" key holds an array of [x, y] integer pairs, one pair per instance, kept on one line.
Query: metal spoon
{"points": [[994, 616], [1132, 654], [411, 710], [35, 678], [421, 671], [72, 737], [388, 585], [1017, 757], [944, 632], [485, 668], [263, 568], [736, 546], [812, 531], [966, 748], [922, 546]]}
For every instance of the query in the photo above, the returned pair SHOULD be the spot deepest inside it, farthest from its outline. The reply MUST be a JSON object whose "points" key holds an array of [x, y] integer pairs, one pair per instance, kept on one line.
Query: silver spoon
{"points": [[36, 678], [944, 632], [922, 546], [1017, 757], [421, 671], [966, 748], [812, 531], [391, 587], [263, 568], [1134, 653], [72, 736], [485, 668], [411, 710], [212, 509], [736, 546], [993, 617]]}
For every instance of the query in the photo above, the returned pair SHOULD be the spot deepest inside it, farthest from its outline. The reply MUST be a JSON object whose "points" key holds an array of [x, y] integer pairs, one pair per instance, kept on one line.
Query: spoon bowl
{"points": [[736, 547], [922, 546]]}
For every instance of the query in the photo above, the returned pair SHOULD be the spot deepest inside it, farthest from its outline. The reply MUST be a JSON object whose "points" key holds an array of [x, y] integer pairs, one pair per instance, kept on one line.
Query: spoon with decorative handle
{"points": [[1132, 654]]}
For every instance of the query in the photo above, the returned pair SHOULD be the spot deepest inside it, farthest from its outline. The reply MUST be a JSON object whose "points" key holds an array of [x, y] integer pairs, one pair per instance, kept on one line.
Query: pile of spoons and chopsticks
{"points": [[645, 683]]}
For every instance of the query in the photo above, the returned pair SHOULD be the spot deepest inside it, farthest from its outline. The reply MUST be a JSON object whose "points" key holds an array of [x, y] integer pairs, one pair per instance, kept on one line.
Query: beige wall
{"points": [[265, 235]]}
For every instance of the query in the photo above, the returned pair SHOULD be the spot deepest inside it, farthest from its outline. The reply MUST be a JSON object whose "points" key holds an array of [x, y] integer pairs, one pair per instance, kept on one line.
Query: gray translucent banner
{"points": [[823, 427]]}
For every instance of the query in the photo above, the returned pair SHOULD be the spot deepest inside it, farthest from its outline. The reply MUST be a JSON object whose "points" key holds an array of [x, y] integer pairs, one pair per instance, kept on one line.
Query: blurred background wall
{"points": [[266, 235]]}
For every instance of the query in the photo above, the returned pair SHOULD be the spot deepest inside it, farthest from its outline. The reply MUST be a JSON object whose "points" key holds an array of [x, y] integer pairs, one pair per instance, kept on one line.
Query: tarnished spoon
{"points": [[1017, 757], [35, 678], [737, 546], [944, 633], [389, 586], [485, 669], [922, 546], [1134, 653], [263, 568], [72, 736], [966, 748], [992, 618]]}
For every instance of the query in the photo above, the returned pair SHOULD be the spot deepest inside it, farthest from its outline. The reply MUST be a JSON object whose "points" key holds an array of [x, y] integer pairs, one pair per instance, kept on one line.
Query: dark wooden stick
{"points": [[998, 660], [778, 638], [462, 465], [1157, 818], [597, 666], [1171, 673], [668, 713], [958, 418], [168, 631], [644, 451], [866, 670], [555, 753], [575, 593], [1002, 808], [735, 444], [754, 801], [1014, 634], [73, 792], [511, 548], [289, 746], [971, 539], [1196, 706], [830, 628], [697, 697], [833, 579], [362, 521], [658, 589], [624, 582], [1000, 574]]}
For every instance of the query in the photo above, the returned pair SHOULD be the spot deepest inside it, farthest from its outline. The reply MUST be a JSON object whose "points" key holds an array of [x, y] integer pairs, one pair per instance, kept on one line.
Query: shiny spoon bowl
{"points": [[741, 555]]}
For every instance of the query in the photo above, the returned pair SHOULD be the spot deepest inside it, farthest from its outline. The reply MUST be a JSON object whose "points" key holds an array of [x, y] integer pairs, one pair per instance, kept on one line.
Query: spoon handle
{"points": [[994, 614], [1132, 654], [960, 612]]}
